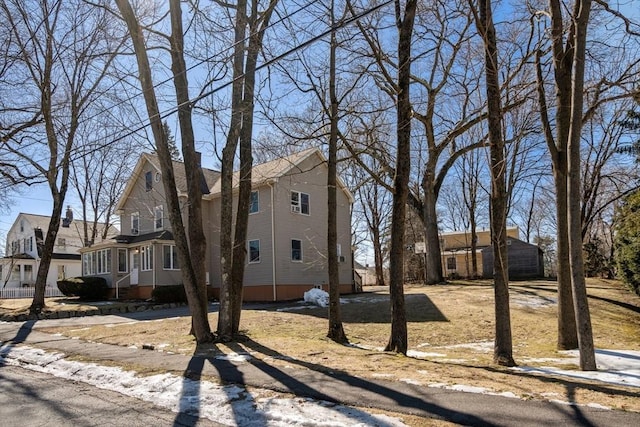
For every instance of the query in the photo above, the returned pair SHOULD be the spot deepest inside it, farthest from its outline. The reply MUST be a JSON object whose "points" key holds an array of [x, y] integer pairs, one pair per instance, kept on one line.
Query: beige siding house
{"points": [[455, 247], [286, 241]]}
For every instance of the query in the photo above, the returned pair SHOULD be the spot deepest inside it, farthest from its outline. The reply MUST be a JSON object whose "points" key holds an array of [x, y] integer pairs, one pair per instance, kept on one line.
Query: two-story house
{"points": [[23, 252], [287, 231]]}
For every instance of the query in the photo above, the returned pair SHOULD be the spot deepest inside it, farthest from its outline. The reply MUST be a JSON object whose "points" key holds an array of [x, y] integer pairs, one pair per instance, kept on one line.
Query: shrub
{"points": [[627, 241], [85, 288], [167, 294]]}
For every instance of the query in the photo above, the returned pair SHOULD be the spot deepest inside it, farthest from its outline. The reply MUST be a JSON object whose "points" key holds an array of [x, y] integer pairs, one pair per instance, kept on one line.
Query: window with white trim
{"points": [[123, 260], [135, 223], [159, 217], [296, 250], [146, 258], [254, 251], [254, 206], [170, 257], [300, 202], [89, 263], [103, 261]]}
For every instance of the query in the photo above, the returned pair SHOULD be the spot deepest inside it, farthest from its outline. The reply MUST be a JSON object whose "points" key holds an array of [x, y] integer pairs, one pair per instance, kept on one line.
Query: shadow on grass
{"points": [[375, 308], [625, 305]]}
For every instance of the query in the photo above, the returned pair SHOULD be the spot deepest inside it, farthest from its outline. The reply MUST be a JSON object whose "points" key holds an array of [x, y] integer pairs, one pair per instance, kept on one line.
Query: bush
{"points": [[85, 288], [627, 241], [168, 294]]}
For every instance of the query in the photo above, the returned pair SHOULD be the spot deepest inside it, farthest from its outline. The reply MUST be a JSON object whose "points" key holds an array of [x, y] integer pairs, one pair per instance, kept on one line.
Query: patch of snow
{"points": [[317, 297], [235, 357], [423, 355], [228, 405], [410, 381], [423, 345], [534, 301], [483, 346], [620, 367], [378, 375]]}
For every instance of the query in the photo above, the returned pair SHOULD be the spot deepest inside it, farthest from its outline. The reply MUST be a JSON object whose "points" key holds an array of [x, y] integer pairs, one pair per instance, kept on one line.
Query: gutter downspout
{"points": [[273, 241]]}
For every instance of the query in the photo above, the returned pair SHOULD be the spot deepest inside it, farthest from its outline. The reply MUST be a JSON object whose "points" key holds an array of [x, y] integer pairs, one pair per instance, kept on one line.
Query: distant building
{"points": [[525, 261], [25, 241]]}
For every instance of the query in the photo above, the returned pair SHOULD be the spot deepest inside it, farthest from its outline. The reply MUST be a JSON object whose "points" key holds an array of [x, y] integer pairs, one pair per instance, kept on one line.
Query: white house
{"points": [[25, 241]]}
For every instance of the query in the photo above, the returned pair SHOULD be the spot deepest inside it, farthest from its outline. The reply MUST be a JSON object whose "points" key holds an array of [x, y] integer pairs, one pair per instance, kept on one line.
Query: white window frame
{"points": [[255, 261], [126, 259], [257, 204], [135, 223], [89, 264], [103, 261], [158, 221], [297, 205], [301, 251], [146, 258], [173, 258]]}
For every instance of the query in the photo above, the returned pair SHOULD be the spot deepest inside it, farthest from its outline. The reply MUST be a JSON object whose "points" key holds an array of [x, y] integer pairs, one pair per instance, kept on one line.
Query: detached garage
{"points": [[526, 261]]}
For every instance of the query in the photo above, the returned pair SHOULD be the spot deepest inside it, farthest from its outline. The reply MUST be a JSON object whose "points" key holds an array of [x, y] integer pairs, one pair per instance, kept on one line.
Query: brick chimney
{"points": [[66, 221]]}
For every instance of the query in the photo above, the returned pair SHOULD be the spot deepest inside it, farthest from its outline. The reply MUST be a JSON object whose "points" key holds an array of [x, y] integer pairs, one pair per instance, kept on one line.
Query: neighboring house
{"points": [[525, 261], [25, 241], [366, 273], [286, 241], [457, 260]]}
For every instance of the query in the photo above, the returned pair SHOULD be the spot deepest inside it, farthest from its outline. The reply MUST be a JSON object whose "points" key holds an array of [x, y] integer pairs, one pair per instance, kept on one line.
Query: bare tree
{"points": [[61, 51], [248, 18], [503, 347], [190, 247]]}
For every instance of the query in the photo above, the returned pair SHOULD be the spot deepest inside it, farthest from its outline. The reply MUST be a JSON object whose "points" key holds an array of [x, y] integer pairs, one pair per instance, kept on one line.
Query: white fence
{"points": [[13, 293]]}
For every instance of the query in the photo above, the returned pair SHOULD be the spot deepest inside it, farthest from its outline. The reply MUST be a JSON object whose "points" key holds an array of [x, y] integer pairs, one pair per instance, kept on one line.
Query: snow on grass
{"points": [[229, 405], [534, 301], [620, 367], [423, 355]]}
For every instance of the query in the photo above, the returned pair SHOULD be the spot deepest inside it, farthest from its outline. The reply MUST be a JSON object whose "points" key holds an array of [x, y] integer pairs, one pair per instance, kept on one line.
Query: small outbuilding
{"points": [[526, 261]]}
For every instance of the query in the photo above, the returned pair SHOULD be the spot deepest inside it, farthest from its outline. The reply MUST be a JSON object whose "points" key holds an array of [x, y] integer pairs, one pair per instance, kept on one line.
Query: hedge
{"points": [[85, 288], [168, 294]]}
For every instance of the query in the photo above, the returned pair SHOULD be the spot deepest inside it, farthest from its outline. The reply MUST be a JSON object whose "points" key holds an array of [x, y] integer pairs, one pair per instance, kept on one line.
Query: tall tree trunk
{"points": [[196, 285], [503, 348], [583, 319], [336, 330], [200, 322], [404, 21]]}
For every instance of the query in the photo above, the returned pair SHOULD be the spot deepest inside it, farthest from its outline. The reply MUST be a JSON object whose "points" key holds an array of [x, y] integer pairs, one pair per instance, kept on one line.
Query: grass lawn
{"points": [[450, 338]]}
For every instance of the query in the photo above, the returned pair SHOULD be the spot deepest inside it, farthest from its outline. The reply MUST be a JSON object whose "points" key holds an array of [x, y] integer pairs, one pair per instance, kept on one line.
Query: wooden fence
{"points": [[14, 293]]}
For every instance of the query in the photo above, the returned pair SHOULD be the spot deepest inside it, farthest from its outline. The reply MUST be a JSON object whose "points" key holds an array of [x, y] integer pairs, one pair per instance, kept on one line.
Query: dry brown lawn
{"points": [[442, 321]]}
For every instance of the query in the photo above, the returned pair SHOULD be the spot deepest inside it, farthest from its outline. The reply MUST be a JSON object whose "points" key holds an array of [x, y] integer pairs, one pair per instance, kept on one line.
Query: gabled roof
{"points": [[274, 169], [74, 231], [210, 176]]}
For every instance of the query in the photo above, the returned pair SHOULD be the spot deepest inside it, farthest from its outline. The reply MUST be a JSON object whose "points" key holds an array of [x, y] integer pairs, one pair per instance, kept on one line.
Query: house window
{"points": [[22, 225], [123, 256], [62, 272], [299, 202], [255, 202], [148, 181], [146, 255], [89, 263], [159, 214], [296, 250], [170, 257], [15, 247], [135, 223], [103, 261], [28, 274], [254, 251], [451, 263], [28, 244]]}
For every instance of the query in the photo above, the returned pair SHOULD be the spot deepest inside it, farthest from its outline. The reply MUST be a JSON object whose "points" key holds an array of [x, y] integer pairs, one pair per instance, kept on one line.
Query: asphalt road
{"points": [[29, 398]]}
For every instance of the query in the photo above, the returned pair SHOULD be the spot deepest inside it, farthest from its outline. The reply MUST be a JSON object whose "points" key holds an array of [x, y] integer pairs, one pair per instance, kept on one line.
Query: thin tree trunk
{"points": [[398, 339], [430, 220], [581, 304], [503, 348], [336, 330]]}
